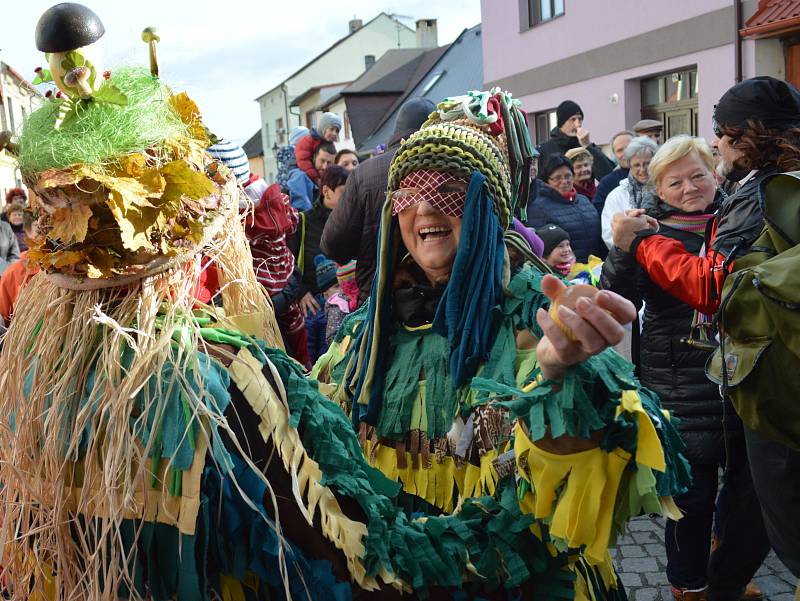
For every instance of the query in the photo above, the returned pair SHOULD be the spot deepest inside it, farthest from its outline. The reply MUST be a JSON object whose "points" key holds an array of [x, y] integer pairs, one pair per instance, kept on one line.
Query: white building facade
{"points": [[340, 64], [18, 99]]}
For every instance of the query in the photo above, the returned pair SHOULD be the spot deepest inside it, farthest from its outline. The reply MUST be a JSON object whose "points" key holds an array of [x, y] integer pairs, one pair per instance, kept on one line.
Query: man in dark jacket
{"points": [[570, 133], [757, 124], [352, 229]]}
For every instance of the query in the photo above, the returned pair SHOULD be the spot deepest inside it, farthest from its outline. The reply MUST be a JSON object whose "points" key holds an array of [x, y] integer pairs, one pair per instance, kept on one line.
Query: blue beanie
{"points": [[326, 272], [233, 157], [296, 133]]}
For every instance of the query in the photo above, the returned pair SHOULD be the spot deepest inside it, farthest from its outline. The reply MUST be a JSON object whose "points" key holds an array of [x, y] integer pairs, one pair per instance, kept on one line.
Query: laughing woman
{"points": [[462, 385]]}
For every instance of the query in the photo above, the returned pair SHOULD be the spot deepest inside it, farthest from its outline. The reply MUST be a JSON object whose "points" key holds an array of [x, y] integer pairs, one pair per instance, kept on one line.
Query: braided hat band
{"points": [[458, 148]]}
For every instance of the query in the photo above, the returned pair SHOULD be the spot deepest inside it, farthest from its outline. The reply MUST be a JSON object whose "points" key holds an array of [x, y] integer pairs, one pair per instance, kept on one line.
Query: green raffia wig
{"points": [[482, 137], [101, 132]]}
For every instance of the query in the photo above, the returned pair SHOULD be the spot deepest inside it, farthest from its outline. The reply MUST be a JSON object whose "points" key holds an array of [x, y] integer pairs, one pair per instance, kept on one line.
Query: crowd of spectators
{"points": [[658, 221]]}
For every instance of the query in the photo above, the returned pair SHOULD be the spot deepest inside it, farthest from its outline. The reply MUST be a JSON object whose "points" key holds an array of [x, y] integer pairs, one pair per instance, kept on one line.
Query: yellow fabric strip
{"points": [[436, 485], [151, 504], [311, 496], [480, 480], [648, 446], [231, 589], [577, 492], [669, 509]]}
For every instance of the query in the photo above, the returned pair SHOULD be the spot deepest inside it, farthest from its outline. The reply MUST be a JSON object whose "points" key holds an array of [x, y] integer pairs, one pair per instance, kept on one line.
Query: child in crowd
{"points": [[273, 218], [286, 159], [342, 302], [327, 129], [316, 323], [557, 252]]}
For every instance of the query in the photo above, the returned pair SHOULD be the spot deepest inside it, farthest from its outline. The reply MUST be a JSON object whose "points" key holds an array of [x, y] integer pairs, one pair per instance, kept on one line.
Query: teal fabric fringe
{"points": [[464, 314]]}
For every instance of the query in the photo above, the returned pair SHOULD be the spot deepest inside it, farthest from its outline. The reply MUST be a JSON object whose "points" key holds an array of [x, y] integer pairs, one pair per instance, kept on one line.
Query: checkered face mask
{"points": [[446, 193]]}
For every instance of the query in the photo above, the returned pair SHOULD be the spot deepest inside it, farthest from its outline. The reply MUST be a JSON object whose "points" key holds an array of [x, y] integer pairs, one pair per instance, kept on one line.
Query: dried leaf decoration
{"points": [[188, 112], [130, 201], [57, 259], [103, 220], [71, 225], [58, 178], [65, 258], [182, 180]]}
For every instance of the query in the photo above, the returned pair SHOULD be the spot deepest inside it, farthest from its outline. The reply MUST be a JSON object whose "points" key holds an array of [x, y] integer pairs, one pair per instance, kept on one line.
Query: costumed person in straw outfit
{"points": [[157, 446], [465, 391]]}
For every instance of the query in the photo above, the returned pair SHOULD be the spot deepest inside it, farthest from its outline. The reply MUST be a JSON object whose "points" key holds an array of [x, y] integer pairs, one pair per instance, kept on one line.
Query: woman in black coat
{"points": [[558, 203], [681, 173]]}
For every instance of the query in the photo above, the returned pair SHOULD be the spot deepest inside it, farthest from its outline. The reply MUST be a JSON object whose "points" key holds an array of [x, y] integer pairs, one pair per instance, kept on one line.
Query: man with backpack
{"points": [[747, 280]]}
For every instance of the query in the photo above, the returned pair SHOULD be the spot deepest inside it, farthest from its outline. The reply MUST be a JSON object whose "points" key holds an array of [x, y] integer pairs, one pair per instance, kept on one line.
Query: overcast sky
{"points": [[225, 53]]}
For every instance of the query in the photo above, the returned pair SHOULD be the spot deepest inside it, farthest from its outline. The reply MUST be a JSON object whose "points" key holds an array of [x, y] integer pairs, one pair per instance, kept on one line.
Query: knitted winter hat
{"points": [[296, 133], [233, 157], [552, 236], [482, 132], [326, 272], [346, 272], [329, 120], [774, 102], [565, 110]]}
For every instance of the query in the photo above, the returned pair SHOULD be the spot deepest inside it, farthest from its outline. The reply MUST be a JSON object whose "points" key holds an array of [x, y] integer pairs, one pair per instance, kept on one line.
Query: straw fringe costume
{"points": [[153, 446], [455, 412]]}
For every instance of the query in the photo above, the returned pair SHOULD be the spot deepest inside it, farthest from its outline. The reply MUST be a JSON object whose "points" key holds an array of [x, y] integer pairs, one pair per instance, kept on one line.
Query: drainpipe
{"points": [[737, 44], [285, 91]]}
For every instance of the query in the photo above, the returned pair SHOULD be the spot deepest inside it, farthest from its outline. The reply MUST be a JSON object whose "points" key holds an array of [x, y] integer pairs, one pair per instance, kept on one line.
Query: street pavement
{"points": [[641, 563]]}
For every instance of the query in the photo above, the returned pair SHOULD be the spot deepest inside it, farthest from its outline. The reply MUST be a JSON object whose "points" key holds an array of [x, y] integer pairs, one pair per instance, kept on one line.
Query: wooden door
{"points": [[792, 56], [678, 122]]}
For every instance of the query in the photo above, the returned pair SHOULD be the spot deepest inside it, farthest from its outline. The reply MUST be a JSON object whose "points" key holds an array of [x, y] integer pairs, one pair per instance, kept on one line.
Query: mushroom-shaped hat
{"points": [[67, 26]]}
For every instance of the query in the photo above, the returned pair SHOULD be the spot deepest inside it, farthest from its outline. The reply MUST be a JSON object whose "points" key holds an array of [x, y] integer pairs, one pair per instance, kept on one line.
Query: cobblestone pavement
{"points": [[641, 562]]}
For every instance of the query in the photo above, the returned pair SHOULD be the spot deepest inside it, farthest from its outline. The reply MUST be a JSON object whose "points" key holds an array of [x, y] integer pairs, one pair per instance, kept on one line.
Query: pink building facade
{"points": [[623, 60]]}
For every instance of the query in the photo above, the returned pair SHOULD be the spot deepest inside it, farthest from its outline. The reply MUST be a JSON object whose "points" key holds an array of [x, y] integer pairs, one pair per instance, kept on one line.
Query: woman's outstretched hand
{"points": [[595, 324]]}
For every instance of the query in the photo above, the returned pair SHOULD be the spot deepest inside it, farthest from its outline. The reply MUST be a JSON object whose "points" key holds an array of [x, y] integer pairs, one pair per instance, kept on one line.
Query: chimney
{"points": [[427, 35], [355, 25]]}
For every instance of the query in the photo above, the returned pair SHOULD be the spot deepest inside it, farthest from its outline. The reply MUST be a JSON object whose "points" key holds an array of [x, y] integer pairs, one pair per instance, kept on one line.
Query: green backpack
{"points": [[760, 317]]}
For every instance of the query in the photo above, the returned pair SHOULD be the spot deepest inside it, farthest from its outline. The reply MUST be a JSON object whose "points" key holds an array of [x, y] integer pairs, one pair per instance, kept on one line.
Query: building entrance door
{"points": [[792, 57], [672, 99]]}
